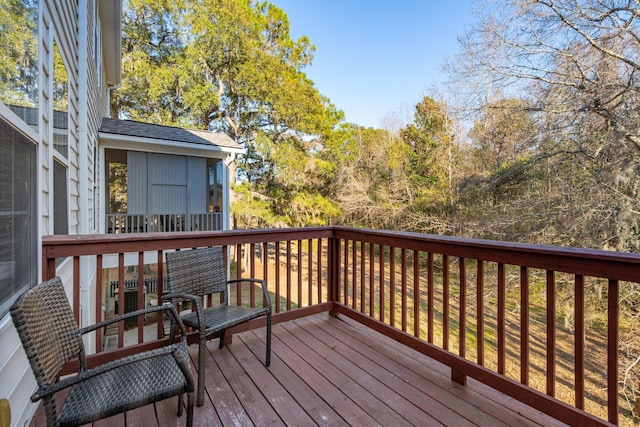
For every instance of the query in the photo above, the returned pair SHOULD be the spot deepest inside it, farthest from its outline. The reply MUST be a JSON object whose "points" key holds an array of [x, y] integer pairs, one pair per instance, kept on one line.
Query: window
{"points": [[19, 59], [60, 104], [18, 215], [214, 185], [60, 196], [60, 143], [116, 177]]}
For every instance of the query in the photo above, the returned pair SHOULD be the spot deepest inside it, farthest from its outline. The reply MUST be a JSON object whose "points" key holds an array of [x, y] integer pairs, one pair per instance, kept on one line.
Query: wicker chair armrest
{"points": [[89, 373], [265, 291], [195, 300], [164, 307], [180, 297]]}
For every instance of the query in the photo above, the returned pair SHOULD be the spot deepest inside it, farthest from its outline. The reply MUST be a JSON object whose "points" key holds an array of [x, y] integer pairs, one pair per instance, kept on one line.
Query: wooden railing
{"points": [[539, 323], [118, 223]]}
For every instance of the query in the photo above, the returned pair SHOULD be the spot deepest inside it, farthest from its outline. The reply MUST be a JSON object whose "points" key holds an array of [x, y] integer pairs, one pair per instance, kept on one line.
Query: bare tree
{"points": [[574, 64]]}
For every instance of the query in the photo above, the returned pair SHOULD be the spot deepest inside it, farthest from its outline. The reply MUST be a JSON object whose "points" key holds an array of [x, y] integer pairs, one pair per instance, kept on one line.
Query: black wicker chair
{"points": [[194, 273], [51, 338]]}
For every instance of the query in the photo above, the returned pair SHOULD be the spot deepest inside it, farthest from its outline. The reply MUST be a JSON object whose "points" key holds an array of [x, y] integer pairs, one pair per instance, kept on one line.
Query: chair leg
{"points": [[189, 408], [222, 336], [202, 351], [180, 405], [268, 358], [173, 329]]}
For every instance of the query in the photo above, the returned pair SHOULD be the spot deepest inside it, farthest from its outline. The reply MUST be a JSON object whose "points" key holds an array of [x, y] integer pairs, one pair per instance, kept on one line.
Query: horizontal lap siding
{"points": [[64, 16], [59, 22]]}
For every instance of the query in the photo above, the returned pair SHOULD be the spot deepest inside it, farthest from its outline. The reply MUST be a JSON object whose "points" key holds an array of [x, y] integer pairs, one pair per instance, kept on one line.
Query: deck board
{"points": [[305, 398], [330, 371]]}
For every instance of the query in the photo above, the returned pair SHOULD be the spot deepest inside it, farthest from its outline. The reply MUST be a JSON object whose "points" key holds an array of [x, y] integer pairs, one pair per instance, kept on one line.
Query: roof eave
{"points": [[110, 12], [136, 143]]}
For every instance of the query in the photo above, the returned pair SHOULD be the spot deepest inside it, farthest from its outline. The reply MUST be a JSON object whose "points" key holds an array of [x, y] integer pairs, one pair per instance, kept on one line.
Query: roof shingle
{"points": [[166, 133]]}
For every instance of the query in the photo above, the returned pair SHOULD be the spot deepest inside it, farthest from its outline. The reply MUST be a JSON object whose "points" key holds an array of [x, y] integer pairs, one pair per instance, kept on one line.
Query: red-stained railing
{"points": [[539, 323], [269, 254]]}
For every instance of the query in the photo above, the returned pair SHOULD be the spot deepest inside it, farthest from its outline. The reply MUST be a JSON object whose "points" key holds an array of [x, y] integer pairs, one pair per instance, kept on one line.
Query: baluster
{"points": [[416, 293], [362, 276], [551, 333], [252, 273], [382, 282], [579, 341], [371, 279], [524, 325], [288, 273], [403, 288], [445, 302], [612, 350], [480, 308], [354, 274], [462, 331], [392, 286], [430, 297], [299, 265], [277, 262], [320, 268]]}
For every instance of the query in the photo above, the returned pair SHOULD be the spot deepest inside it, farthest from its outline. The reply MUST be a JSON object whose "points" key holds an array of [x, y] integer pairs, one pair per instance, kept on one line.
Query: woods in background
{"points": [[536, 138]]}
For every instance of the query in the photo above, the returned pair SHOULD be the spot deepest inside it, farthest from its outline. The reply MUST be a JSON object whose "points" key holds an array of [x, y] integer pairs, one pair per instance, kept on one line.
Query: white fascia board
{"points": [[136, 143], [111, 29]]}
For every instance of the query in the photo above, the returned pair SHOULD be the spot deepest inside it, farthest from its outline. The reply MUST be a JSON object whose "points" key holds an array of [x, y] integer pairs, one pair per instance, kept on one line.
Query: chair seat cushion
{"points": [[223, 316], [136, 384]]}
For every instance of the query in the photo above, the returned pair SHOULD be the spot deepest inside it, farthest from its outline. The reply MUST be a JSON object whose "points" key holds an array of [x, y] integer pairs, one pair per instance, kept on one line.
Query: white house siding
{"points": [[89, 119], [64, 21], [64, 17]]}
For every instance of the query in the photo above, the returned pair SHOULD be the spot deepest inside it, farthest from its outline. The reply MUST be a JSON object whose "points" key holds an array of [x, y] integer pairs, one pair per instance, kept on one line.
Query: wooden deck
{"points": [[332, 372]]}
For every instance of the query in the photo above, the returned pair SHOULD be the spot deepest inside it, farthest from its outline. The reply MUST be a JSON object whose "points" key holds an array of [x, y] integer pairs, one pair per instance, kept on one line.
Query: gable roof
{"points": [[159, 133]]}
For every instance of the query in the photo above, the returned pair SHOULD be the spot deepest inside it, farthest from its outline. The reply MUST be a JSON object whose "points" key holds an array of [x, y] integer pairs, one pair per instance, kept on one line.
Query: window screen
{"points": [[18, 215], [60, 211]]}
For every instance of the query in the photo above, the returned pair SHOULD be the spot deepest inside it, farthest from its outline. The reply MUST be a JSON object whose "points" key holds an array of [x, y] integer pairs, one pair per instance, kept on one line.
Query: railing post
{"points": [[333, 266], [458, 376], [48, 266]]}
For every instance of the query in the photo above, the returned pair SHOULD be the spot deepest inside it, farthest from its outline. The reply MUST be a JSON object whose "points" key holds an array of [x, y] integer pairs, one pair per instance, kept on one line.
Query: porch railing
{"points": [[119, 223], [541, 324]]}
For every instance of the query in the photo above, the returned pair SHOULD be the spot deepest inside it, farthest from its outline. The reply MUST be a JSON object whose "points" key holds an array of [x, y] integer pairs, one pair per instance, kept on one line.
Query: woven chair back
{"points": [[47, 328], [197, 271]]}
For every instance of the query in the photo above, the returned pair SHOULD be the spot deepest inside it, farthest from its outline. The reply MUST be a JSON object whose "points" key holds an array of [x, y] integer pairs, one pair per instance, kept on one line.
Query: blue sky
{"points": [[374, 57]]}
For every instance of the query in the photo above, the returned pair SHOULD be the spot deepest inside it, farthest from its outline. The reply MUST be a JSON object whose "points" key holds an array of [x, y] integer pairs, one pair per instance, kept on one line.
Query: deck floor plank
{"points": [[500, 406], [268, 382], [411, 368], [372, 405], [306, 398], [435, 402], [142, 417], [255, 403], [308, 370], [221, 395], [328, 371], [352, 367]]}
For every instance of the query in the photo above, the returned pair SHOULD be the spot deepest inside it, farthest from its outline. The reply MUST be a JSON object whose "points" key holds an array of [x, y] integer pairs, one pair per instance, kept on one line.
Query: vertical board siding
{"points": [[197, 185], [137, 182]]}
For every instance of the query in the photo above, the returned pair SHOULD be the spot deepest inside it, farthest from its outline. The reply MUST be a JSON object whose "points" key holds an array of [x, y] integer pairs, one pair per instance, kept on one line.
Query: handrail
{"points": [[475, 305]]}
